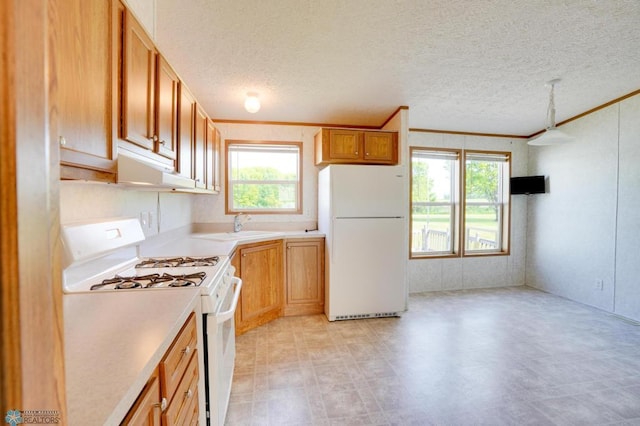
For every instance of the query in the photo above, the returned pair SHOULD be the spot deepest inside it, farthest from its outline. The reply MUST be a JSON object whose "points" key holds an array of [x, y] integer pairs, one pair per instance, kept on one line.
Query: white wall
{"points": [[586, 228], [81, 201], [210, 208], [476, 272]]}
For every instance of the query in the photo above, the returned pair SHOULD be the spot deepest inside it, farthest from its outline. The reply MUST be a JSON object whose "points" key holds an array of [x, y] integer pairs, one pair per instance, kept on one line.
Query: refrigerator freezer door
{"points": [[367, 191], [367, 267]]}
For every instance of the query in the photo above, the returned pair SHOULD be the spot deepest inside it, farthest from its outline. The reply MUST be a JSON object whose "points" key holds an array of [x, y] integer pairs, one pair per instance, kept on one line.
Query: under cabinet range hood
{"points": [[137, 172]]}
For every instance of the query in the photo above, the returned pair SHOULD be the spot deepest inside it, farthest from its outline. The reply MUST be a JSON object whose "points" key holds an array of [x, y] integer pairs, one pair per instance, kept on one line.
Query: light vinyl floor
{"points": [[507, 356]]}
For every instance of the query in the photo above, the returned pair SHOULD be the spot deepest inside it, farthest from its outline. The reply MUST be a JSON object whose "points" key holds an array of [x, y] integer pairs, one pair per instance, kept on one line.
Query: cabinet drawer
{"points": [[185, 403], [175, 362]]}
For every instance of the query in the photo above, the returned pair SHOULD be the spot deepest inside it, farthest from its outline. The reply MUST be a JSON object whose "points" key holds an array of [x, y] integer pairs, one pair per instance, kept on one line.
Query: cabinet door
{"points": [[381, 147], [217, 176], [139, 63], [186, 129], [210, 156], [147, 408], [304, 277], [344, 144], [213, 158], [261, 270], [199, 147], [166, 109], [82, 57]]}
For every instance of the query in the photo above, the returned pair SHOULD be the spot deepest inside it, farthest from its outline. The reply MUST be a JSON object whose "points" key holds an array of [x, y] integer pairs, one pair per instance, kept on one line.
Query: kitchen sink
{"points": [[236, 236]]}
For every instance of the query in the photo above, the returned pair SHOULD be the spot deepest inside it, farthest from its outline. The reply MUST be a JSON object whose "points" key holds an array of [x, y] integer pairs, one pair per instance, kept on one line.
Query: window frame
{"points": [[504, 205], [454, 204], [229, 208], [458, 229]]}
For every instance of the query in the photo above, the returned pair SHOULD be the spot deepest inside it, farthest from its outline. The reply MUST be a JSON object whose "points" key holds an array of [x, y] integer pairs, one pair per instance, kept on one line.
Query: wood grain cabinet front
{"points": [[148, 95], [212, 166], [148, 407], [260, 265], [186, 130], [171, 394], [86, 77], [304, 267], [346, 146]]}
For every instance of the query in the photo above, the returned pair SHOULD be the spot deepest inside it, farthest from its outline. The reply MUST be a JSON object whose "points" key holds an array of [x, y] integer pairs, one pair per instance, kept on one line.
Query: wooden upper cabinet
{"points": [[166, 131], [186, 129], [380, 146], [138, 91], [345, 146], [86, 79], [199, 147], [213, 157]]}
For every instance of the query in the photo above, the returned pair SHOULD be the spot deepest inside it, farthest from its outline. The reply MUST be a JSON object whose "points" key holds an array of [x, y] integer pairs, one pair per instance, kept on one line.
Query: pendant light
{"points": [[551, 135]]}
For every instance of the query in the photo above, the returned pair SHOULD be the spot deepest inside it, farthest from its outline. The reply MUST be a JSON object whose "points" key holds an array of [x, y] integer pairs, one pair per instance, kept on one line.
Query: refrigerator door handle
{"points": [[333, 240]]}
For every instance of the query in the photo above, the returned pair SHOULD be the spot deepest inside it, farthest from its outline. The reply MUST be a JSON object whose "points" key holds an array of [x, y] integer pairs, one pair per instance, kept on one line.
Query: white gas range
{"points": [[105, 257]]}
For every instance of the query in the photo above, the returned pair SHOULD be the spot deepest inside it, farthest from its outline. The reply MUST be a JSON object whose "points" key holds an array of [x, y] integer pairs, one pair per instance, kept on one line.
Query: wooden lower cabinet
{"points": [[276, 285], [171, 395], [304, 266], [148, 406], [260, 265]]}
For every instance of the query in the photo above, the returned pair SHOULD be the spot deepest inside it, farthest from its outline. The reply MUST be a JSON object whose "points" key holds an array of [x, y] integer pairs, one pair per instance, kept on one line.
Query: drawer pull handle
{"points": [[188, 394], [162, 404], [186, 351]]}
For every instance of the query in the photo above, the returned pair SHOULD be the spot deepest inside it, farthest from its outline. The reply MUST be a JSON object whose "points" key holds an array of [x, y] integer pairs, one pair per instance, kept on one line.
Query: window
{"points": [[263, 177], [434, 201], [445, 224], [486, 202]]}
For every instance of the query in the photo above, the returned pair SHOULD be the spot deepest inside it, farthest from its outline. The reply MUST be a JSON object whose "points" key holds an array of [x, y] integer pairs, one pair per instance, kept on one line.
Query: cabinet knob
{"points": [[186, 351], [163, 142], [356, 152], [162, 404], [155, 138], [188, 394], [62, 141]]}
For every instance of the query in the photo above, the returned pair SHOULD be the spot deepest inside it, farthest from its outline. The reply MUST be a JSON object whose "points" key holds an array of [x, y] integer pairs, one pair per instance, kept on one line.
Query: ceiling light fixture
{"points": [[551, 135], [252, 103]]}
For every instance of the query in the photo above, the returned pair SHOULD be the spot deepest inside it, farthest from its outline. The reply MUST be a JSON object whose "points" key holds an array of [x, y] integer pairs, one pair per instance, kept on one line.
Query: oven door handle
{"points": [[227, 315]]}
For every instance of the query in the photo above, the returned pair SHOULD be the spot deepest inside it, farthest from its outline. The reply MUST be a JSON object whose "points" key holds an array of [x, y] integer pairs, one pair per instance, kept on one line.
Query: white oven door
{"points": [[222, 352]]}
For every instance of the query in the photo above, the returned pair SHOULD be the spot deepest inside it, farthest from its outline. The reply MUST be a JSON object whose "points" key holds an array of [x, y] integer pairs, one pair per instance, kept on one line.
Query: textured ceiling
{"points": [[461, 65]]}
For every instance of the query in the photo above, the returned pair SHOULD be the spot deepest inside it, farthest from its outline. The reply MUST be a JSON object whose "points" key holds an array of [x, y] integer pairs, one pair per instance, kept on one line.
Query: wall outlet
{"points": [[144, 219], [599, 284]]}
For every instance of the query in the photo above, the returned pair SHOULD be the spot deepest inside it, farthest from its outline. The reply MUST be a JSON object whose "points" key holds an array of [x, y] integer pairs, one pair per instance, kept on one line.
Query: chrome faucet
{"points": [[239, 220]]}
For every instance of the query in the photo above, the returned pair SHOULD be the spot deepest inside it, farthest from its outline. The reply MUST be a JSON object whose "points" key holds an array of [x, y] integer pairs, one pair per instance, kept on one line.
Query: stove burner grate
{"points": [[151, 281], [178, 262]]}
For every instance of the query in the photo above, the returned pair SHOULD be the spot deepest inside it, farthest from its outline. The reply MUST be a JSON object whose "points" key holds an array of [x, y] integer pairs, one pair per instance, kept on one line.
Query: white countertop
{"points": [[113, 342], [206, 243]]}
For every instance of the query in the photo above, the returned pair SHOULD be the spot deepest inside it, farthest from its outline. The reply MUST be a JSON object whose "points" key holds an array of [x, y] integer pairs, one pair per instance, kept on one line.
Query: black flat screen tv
{"points": [[527, 185]]}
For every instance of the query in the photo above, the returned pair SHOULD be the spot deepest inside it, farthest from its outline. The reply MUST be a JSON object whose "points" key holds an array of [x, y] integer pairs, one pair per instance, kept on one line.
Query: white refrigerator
{"points": [[362, 210]]}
